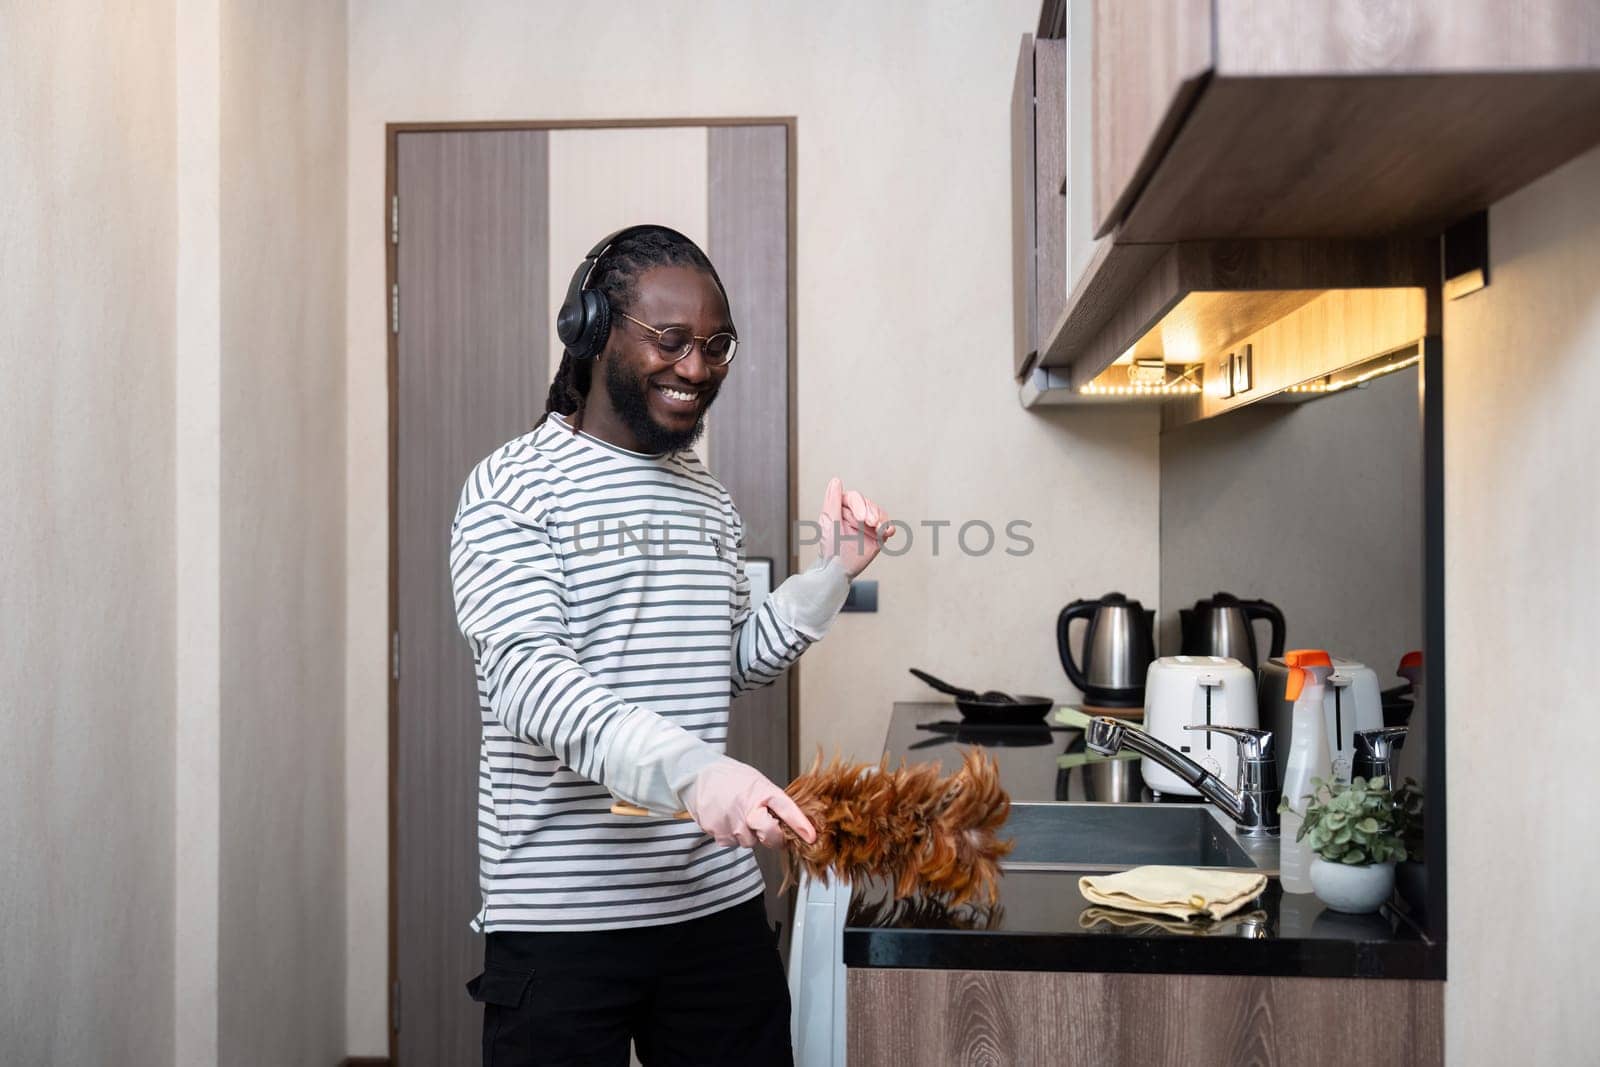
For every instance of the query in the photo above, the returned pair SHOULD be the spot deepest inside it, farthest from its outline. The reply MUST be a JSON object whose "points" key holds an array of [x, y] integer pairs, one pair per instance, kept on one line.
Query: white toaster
{"points": [[1353, 703], [1197, 690]]}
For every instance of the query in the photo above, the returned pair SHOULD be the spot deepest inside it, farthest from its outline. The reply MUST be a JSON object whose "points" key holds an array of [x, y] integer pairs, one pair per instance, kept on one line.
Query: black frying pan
{"points": [[992, 707]]}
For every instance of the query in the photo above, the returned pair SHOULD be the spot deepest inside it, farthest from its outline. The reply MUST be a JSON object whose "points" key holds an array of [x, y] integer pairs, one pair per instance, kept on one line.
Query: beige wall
{"points": [[903, 318], [1522, 582], [171, 684], [87, 246], [282, 533]]}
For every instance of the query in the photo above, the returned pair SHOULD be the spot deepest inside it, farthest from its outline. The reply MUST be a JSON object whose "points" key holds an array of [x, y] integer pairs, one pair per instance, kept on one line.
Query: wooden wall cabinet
{"points": [[1335, 137], [1188, 302], [1343, 118]]}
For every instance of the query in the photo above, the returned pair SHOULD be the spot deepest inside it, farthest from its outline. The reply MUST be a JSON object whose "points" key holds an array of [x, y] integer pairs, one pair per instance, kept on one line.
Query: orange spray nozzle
{"points": [[1297, 662]]}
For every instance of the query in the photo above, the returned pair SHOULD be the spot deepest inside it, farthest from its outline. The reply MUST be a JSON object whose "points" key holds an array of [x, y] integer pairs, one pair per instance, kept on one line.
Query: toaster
{"points": [[1196, 690], [1352, 702]]}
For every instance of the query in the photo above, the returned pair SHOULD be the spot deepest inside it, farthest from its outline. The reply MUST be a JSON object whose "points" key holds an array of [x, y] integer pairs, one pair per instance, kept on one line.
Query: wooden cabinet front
{"points": [[1150, 57], [935, 1017], [1039, 203]]}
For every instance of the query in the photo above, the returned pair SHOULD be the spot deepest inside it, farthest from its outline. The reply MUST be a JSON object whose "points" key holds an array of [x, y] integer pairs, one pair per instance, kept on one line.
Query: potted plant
{"points": [[1356, 831]]}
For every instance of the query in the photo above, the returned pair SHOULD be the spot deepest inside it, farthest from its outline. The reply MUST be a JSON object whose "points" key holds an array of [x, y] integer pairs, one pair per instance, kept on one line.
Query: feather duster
{"points": [[919, 832]]}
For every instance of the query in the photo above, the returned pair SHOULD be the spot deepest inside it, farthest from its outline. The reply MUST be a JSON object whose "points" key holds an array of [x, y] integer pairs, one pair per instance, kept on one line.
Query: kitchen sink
{"points": [[1117, 836]]}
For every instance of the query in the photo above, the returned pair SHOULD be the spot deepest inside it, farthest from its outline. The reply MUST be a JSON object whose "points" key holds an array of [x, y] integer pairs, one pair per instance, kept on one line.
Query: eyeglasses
{"points": [[676, 342]]}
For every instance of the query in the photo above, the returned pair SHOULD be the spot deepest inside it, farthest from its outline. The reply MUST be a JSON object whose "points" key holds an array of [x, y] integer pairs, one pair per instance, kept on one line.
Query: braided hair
{"points": [[617, 275]]}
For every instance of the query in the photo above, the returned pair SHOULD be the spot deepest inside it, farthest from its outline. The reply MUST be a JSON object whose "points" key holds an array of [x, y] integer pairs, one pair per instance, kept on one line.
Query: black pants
{"points": [[707, 991]]}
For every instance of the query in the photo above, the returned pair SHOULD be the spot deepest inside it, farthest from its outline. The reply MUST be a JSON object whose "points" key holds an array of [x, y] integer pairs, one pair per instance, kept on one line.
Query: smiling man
{"points": [[605, 669]]}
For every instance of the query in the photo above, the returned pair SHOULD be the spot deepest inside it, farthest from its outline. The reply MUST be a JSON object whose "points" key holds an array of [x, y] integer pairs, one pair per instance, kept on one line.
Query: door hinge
{"points": [[394, 1006], [394, 308], [394, 655], [394, 220]]}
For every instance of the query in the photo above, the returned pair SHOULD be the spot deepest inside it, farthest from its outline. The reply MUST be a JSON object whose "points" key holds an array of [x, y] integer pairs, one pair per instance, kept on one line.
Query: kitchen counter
{"points": [[1042, 923]]}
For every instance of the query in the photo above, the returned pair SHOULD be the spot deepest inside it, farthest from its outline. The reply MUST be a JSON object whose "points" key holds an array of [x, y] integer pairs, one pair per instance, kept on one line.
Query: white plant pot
{"points": [[1355, 889]]}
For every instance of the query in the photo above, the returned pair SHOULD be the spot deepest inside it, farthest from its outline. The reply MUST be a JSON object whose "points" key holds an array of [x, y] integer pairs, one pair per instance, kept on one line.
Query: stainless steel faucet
{"points": [[1253, 806], [1375, 751]]}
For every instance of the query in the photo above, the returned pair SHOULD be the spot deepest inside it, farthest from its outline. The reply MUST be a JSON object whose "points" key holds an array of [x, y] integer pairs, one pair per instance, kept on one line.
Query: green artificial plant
{"points": [[1362, 821]]}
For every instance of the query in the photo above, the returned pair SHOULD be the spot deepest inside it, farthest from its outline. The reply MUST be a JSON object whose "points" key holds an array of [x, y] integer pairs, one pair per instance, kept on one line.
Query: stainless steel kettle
{"points": [[1224, 625], [1118, 645]]}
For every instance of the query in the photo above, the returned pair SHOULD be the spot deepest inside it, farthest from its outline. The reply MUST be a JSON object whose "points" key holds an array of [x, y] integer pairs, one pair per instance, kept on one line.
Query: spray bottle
{"points": [[1308, 758]]}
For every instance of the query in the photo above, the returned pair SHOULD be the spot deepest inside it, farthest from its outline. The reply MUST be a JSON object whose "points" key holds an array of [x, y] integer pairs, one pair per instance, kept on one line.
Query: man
{"points": [[599, 580]]}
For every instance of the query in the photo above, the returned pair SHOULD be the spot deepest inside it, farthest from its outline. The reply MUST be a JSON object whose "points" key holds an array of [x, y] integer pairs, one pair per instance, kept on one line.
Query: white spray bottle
{"points": [[1308, 758]]}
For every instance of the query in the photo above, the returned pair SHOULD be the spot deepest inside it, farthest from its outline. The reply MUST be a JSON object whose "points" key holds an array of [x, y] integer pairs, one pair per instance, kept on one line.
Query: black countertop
{"points": [[1042, 922]]}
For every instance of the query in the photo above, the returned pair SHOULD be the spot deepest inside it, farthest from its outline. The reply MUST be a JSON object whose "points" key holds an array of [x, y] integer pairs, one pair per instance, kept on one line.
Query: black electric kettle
{"points": [[1224, 625], [1118, 645]]}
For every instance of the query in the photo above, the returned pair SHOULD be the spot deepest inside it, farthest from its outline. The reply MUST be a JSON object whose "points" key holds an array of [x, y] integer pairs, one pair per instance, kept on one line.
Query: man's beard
{"points": [[631, 401]]}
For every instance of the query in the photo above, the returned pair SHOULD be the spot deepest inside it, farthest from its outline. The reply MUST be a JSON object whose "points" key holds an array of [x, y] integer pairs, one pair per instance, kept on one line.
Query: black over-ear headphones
{"points": [[584, 321]]}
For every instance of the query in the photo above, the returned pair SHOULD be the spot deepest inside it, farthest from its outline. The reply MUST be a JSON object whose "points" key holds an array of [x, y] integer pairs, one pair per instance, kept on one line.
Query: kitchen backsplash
{"points": [[1315, 507]]}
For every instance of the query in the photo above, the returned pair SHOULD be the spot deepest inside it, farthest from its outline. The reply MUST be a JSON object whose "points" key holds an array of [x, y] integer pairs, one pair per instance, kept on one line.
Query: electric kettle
{"points": [[1118, 645], [1223, 625]]}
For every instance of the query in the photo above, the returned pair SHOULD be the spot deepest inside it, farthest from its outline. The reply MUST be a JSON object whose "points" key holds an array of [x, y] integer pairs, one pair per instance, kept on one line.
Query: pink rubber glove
{"points": [[735, 804], [852, 528]]}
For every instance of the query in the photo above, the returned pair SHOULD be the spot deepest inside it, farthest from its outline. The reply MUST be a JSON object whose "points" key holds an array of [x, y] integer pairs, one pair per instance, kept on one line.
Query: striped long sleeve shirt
{"points": [[603, 595]]}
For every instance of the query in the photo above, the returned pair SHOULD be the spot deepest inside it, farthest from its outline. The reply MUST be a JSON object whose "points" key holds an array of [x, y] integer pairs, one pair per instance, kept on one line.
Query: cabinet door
{"points": [[1050, 183], [1024, 279], [1080, 139], [1038, 187], [1150, 57]]}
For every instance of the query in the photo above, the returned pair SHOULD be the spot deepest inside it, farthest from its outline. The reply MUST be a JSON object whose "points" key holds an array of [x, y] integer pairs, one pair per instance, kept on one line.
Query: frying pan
{"points": [[992, 707]]}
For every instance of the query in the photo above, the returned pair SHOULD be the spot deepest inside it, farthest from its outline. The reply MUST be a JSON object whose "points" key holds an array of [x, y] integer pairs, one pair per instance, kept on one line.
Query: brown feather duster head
{"points": [[920, 832]]}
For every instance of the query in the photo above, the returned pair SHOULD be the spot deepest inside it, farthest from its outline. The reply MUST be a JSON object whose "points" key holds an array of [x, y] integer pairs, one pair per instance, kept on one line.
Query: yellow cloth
{"points": [[1181, 892]]}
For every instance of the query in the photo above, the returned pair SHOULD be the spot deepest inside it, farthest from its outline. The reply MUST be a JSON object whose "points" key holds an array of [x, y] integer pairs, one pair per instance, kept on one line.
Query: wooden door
{"points": [[473, 362], [471, 374], [747, 192]]}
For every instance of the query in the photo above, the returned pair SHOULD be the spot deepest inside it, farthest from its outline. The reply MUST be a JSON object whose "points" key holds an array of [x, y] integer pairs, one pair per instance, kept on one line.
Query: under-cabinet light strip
{"points": [[1326, 386], [1174, 389]]}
